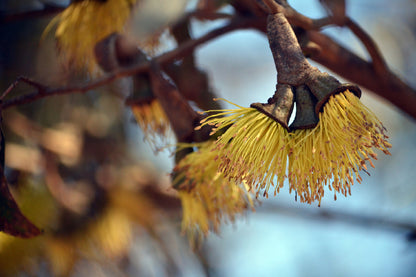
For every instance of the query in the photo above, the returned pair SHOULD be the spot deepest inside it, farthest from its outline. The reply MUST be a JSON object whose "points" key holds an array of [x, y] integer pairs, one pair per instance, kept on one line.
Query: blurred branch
{"points": [[168, 57], [46, 11], [380, 65], [333, 215], [22, 79], [205, 15], [182, 117], [373, 75], [350, 66]]}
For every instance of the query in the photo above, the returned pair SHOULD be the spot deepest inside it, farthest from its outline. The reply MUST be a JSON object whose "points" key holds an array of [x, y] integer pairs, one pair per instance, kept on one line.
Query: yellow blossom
{"points": [[82, 24], [152, 120], [16, 253], [208, 198], [335, 150], [107, 236], [253, 148], [195, 221]]}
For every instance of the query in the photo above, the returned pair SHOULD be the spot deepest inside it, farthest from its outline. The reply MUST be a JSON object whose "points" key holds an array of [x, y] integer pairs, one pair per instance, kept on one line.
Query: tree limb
{"points": [[372, 75], [46, 11], [379, 64], [168, 57], [350, 66], [329, 215]]}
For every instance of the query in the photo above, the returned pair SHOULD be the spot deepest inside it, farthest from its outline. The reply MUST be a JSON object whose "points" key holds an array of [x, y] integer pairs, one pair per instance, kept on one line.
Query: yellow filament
{"points": [[257, 150], [336, 149], [254, 148]]}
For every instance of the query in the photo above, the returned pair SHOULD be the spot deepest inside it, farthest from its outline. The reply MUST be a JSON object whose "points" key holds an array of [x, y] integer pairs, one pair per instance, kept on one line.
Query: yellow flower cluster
{"points": [[83, 24], [336, 149], [257, 150], [253, 149], [104, 236], [208, 198], [17, 253]]}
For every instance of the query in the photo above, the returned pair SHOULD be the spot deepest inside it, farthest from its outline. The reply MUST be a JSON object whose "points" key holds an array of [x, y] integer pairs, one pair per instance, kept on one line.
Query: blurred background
{"points": [[81, 170]]}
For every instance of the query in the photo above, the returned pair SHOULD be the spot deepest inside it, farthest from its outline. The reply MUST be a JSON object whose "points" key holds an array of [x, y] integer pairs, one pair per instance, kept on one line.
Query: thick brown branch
{"points": [[350, 66], [272, 6], [332, 55], [375, 54], [347, 64]]}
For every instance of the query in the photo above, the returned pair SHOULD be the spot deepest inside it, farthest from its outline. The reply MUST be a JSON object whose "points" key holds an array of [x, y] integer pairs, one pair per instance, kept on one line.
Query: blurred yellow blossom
{"points": [[208, 198], [82, 24]]}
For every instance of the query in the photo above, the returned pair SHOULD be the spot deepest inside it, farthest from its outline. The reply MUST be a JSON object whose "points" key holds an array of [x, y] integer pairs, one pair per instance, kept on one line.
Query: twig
{"points": [[181, 51], [300, 20], [347, 64], [322, 22], [330, 215], [41, 88], [203, 15], [352, 67], [379, 64], [9, 89], [46, 11], [272, 6], [297, 18], [181, 115]]}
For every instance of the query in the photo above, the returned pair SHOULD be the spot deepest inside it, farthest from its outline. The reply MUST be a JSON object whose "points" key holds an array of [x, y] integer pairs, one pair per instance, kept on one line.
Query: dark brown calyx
{"points": [[305, 118], [322, 86], [279, 107]]}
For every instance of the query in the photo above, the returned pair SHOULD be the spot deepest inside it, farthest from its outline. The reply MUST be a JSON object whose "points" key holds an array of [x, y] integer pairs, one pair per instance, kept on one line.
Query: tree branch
{"points": [[168, 57], [337, 216], [46, 11], [380, 65], [352, 67], [372, 75]]}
